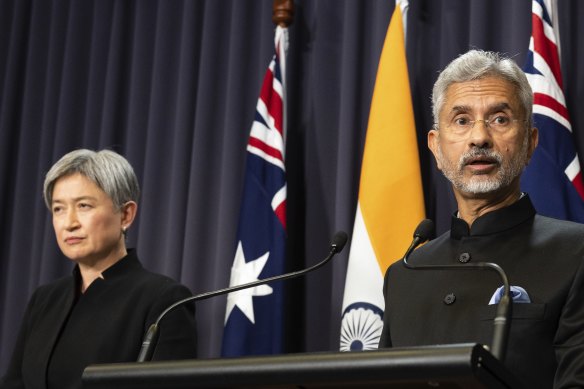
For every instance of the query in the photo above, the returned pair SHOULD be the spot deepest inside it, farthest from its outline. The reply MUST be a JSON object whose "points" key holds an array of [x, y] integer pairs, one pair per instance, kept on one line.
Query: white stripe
{"points": [[404, 6], [270, 137], [268, 158], [281, 42], [277, 87], [536, 9], [276, 84], [279, 198], [548, 76], [540, 85], [573, 168], [543, 110], [364, 281], [546, 82], [262, 109], [547, 29]]}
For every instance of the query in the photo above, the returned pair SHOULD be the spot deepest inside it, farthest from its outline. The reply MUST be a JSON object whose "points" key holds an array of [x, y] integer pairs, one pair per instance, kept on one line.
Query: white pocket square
{"points": [[518, 295]]}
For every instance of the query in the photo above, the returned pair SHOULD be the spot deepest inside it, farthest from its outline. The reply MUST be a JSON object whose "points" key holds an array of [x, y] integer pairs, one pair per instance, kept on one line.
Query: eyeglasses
{"points": [[461, 124]]}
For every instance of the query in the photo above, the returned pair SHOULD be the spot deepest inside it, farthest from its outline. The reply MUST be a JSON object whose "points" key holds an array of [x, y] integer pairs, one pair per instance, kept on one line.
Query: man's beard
{"points": [[483, 183]]}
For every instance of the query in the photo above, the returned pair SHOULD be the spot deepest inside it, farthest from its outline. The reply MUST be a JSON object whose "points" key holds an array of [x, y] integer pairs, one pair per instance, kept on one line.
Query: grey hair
{"points": [[478, 64], [111, 172]]}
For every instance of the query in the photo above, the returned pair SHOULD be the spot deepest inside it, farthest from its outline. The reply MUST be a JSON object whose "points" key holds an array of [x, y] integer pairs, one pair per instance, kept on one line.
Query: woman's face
{"points": [[87, 225]]}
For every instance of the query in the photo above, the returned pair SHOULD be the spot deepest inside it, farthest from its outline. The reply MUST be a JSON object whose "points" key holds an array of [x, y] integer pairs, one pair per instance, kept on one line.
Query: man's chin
{"points": [[480, 186]]}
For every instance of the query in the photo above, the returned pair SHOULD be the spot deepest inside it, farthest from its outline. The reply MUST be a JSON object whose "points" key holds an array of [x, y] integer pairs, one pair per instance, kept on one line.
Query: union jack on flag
{"points": [[253, 317], [553, 177]]}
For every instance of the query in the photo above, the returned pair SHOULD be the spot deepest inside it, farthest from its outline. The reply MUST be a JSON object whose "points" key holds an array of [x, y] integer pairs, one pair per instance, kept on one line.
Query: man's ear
{"points": [[533, 141], [433, 145]]}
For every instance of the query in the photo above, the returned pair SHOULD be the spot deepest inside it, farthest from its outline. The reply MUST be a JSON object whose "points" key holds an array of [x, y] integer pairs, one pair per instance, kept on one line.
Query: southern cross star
{"points": [[243, 272]]}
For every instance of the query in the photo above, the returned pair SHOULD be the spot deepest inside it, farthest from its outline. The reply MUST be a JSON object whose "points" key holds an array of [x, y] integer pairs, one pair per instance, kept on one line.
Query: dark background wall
{"points": [[173, 85]]}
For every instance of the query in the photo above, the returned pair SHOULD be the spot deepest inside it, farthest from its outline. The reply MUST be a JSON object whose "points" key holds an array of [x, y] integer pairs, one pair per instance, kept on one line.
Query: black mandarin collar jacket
{"points": [[542, 255]]}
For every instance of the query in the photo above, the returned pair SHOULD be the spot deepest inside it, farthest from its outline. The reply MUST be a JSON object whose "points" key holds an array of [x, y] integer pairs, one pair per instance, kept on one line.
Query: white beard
{"points": [[482, 183]]}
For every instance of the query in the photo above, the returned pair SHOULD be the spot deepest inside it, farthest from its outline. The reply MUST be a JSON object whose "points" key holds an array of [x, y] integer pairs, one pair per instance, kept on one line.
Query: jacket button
{"points": [[464, 257], [449, 299]]}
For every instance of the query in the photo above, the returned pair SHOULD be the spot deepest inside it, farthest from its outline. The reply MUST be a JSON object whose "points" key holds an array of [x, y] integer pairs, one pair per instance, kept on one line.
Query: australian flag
{"points": [[553, 178], [253, 318]]}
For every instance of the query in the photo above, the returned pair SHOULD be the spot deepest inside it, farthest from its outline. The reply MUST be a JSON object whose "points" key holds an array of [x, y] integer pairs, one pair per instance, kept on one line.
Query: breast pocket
{"points": [[520, 311]]}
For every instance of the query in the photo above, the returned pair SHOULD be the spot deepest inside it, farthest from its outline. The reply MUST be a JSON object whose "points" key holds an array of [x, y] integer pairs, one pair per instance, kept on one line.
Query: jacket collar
{"points": [[496, 221], [118, 269]]}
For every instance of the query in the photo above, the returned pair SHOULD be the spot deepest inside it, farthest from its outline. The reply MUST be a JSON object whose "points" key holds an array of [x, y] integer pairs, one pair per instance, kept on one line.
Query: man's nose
{"points": [[480, 135]]}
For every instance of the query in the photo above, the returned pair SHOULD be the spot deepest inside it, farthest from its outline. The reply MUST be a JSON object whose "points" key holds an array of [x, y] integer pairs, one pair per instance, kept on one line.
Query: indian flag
{"points": [[391, 201]]}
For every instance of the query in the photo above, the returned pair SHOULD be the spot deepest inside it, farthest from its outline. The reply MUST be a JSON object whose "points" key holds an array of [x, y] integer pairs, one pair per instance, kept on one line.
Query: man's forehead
{"points": [[484, 92]]}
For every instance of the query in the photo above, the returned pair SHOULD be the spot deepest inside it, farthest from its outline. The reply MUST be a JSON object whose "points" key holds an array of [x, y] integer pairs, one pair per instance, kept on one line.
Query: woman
{"points": [[99, 313]]}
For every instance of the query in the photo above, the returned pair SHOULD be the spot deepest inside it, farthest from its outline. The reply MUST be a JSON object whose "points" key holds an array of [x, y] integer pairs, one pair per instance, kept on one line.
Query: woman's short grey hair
{"points": [[111, 172], [477, 64]]}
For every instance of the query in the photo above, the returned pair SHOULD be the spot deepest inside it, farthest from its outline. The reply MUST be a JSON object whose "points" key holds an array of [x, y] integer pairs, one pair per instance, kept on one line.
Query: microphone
{"points": [[502, 320], [337, 244]]}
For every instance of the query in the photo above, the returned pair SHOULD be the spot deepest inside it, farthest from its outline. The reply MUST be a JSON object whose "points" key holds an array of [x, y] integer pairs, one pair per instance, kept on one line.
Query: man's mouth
{"points": [[481, 165]]}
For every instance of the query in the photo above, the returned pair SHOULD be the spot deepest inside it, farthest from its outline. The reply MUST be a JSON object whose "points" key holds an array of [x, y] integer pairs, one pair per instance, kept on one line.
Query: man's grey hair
{"points": [[478, 64], [107, 169]]}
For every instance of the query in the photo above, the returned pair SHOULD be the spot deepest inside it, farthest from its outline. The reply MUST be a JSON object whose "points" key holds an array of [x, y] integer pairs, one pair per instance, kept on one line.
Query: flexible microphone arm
{"points": [[338, 242], [502, 319]]}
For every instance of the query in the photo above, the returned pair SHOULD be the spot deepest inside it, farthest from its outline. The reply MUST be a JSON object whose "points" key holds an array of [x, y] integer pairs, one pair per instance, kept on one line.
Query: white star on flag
{"points": [[244, 272]]}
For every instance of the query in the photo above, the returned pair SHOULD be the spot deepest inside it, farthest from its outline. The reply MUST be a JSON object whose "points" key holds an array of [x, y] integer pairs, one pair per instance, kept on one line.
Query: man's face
{"points": [[482, 158]]}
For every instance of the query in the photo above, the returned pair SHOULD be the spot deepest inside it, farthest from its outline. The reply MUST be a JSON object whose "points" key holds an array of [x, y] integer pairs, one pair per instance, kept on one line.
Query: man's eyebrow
{"points": [[493, 108], [460, 109], [500, 107]]}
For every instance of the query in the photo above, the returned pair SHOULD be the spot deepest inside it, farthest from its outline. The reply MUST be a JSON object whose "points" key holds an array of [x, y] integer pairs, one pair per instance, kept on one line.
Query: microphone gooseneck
{"points": [[502, 320], [336, 246]]}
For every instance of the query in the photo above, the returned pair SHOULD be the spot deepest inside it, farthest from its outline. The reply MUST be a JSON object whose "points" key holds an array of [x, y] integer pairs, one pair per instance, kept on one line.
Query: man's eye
{"points": [[500, 120], [462, 121]]}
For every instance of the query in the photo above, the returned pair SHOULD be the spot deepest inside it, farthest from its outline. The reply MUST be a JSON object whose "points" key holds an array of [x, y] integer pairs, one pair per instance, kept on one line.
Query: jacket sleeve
{"points": [[178, 330], [13, 377], [569, 339]]}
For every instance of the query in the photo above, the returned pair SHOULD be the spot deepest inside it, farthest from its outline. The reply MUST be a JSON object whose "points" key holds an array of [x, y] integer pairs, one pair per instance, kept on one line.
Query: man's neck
{"points": [[471, 208]]}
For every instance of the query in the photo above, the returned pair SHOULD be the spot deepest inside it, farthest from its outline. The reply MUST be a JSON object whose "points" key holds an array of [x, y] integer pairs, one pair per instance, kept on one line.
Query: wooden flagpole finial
{"points": [[283, 12]]}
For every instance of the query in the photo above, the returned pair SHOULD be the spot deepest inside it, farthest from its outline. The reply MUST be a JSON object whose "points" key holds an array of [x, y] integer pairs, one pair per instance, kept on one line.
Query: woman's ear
{"points": [[128, 213]]}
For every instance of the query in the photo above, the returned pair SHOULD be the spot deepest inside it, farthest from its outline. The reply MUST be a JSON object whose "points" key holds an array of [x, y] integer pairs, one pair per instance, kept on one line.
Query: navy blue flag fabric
{"points": [[553, 177], [253, 317]]}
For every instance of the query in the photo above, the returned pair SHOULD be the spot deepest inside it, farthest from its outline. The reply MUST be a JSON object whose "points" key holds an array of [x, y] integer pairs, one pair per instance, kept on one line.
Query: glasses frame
{"points": [[485, 121]]}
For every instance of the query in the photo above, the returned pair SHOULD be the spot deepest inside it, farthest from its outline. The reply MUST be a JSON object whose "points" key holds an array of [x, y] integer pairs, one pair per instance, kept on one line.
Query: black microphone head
{"points": [[425, 230], [339, 241]]}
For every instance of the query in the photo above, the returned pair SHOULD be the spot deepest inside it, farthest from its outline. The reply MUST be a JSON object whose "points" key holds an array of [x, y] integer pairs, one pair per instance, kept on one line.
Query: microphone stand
{"points": [[502, 319], [147, 349]]}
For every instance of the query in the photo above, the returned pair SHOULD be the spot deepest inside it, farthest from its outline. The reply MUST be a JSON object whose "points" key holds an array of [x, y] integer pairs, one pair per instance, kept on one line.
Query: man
{"points": [[482, 139]]}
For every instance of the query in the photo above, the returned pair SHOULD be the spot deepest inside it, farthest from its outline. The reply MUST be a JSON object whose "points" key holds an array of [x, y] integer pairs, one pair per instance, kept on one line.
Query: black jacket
{"points": [[542, 255], [64, 331]]}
